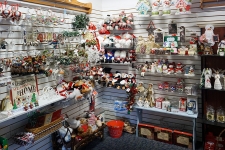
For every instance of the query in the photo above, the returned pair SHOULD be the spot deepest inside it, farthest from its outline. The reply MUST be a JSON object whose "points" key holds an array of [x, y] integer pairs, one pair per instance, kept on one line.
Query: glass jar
{"points": [[220, 115], [210, 114]]}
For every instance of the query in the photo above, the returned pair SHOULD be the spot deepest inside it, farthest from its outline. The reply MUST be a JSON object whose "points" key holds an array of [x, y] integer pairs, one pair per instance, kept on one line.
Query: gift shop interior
{"points": [[99, 74]]}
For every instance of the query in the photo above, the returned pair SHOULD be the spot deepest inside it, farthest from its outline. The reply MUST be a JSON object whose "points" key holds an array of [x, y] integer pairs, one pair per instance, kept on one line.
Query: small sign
{"points": [[170, 38], [172, 28], [22, 88]]}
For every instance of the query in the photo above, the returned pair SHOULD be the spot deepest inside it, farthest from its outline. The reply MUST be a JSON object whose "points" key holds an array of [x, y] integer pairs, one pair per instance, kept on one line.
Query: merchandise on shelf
{"points": [[183, 7], [207, 72], [155, 7], [220, 115], [217, 83], [166, 7], [210, 114], [182, 104], [143, 6]]}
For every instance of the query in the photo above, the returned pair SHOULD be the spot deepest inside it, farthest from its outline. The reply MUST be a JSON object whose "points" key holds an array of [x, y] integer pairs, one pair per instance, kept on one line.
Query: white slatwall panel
{"points": [[10, 127], [190, 22]]}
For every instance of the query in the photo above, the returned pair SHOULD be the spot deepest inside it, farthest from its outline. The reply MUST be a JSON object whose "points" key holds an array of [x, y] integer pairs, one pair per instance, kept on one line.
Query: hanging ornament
{"points": [[151, 28]]}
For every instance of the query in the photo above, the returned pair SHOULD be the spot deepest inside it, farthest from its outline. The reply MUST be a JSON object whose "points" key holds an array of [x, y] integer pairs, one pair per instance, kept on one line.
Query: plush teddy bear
{"points": [[84, 129]]}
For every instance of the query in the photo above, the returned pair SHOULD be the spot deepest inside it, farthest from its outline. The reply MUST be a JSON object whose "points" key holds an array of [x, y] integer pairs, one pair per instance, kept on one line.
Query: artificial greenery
{"points": [[80, 21]]}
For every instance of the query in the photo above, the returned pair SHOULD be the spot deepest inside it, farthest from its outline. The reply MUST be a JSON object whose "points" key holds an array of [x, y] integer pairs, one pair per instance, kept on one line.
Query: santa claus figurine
{"points": [[207, 37]]}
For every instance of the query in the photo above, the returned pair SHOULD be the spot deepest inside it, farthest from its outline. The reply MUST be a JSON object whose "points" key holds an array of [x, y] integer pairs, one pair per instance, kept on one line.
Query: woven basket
{"points": [[217, 147], [46, 129]]}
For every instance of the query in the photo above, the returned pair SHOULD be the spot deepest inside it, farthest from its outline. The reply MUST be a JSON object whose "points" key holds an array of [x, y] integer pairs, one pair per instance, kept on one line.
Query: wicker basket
{"points": [[217, 147], [46, 129]]}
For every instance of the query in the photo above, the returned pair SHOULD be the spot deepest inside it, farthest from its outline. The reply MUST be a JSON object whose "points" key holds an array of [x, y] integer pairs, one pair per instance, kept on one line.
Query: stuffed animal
{"points": [[109, 57], [117, 56], [123, 55], [84, 129]]}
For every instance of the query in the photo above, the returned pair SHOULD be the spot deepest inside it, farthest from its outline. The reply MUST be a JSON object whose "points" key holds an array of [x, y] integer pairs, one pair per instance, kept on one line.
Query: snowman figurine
{"points": [[155, 7], [166, 7]]}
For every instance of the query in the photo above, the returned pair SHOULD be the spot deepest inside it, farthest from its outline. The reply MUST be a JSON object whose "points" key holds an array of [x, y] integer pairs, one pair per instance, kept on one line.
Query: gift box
{"points": [[146, 131], [163, 135], [183, 139], [158, 102]]}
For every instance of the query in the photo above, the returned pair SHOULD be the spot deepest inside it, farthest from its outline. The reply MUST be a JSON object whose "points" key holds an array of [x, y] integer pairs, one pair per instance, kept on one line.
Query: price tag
{"points": [[95, 93]]}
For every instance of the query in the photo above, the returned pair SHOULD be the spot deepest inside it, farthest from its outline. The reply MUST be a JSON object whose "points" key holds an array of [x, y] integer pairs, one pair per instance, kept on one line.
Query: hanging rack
{"points": [[66, 4]]}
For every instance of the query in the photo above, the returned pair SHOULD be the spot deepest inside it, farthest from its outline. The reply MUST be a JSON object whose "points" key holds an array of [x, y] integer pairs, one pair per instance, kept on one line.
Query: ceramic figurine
{"points": [[170, 69], [146, 104], [217, 83], [155, 7], [144, 69], [183, 7], [179, 68], [153, 68], [143, 6], [141, 88], [166, 7], [189, 71], [159, 68], [140, 102], [166, 86], [6, 104], [150, 95], [208, 74], [207, 37], [165, 70], [180, 86]]}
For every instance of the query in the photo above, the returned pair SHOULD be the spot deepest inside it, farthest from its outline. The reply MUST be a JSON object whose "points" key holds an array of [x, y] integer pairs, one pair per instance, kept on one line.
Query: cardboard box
{"points": [[183, 139], [163, 135], [146, 131]]}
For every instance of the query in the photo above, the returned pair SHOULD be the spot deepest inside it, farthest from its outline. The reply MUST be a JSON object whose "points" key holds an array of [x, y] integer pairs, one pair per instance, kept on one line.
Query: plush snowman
{"points": [[123, 55], [117, 56]]}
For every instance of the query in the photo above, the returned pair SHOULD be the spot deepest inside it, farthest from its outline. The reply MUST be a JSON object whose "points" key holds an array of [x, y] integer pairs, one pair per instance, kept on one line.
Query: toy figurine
{"points": [[165, 69], [170, 69], [208, 74], [189, 71], [141, 101], [166, 7], [166, 86], [153, 67], [155, 7], [207, 37], [179, 68], [144, 69], [150, 95], [180, 86], [146, 103], [217, 83], [141, 88], [159, 68]]}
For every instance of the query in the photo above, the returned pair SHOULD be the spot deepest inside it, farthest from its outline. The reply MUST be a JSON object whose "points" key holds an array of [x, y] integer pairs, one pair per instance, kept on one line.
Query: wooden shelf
{"points": [[168, 75], [205, 121], [211, 89], [212, 55], [65, 4]]}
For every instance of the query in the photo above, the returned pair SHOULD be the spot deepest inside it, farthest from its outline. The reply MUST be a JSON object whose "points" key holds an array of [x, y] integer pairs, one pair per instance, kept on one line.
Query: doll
{"points": [[144, 69], [179, 68], [141, 88], [150, 95]]}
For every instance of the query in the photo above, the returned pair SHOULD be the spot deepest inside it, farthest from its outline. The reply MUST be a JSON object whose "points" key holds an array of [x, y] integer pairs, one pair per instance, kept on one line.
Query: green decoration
{"points": [[33, 99], [80, 21], [14, 105]]}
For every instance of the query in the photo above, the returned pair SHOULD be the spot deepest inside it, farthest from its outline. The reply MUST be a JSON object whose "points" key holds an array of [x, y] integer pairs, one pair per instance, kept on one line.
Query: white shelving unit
{"points": [[180, 113], [42, 103]]}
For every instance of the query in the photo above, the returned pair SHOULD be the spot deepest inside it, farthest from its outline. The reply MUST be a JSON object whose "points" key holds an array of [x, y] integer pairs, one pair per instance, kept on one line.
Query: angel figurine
{"points": [[217, 83], [208, 74]]}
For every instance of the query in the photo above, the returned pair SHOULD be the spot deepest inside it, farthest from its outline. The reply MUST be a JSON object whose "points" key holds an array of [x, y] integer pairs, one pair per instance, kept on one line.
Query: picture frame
{"points": [[172, 28], [159, 35], [216, 38]]}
